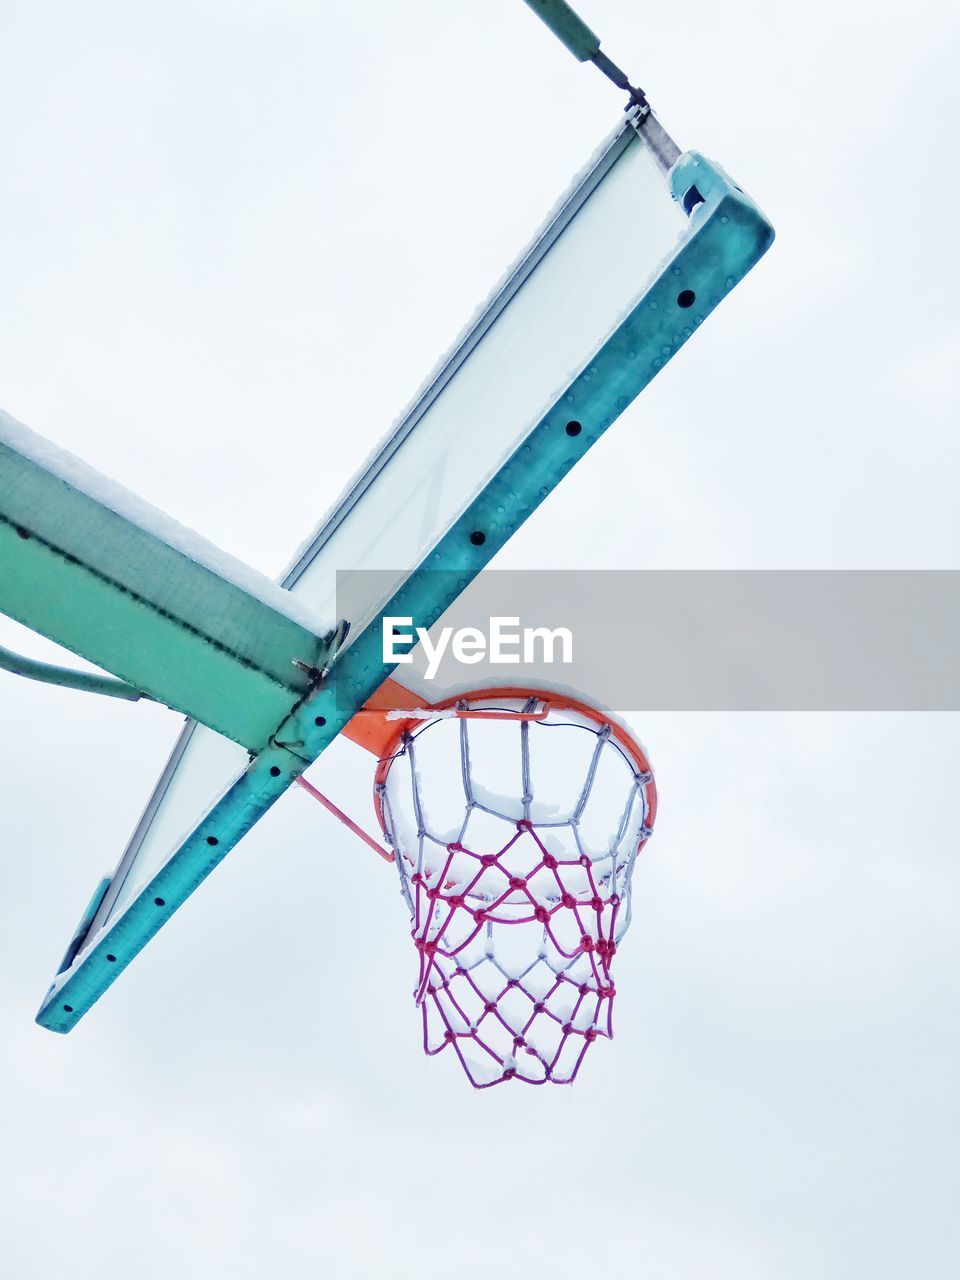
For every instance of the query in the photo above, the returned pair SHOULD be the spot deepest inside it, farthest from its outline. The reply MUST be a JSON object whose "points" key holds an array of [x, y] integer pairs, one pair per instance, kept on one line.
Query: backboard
{"points": [[643, 246]]}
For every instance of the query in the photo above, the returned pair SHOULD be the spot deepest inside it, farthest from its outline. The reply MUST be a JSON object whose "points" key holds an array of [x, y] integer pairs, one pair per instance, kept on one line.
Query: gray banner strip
{"points": [[706, 640]]}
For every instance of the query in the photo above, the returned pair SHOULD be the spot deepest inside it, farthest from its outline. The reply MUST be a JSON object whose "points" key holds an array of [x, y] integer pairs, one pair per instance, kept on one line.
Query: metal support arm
{"points": [[583, 43], [67, 677], [93, 568]]}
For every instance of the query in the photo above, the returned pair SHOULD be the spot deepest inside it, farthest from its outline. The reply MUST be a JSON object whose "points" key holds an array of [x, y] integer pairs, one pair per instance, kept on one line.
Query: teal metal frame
{"points": [[727, 235], [107, 586]]}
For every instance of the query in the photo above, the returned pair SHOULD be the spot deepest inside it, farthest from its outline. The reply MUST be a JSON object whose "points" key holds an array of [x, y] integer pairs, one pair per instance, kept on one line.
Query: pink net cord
{"points": [[574, 993], [515, 941]]}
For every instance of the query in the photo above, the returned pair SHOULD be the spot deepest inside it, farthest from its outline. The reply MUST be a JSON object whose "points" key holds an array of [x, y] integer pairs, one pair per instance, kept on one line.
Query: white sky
{"points": [[235, 238]]}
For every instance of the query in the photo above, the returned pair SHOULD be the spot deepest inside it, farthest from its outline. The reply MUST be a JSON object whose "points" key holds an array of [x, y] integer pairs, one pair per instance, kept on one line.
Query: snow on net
{"points": [[515, 838]]}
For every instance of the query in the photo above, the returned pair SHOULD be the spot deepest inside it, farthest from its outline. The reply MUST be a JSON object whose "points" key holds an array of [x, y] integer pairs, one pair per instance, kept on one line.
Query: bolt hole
{"points": [[22, 533], [159, 902], [274, 771], [211, 840], [478, 537], [320, 721], [574, 428], [686, 298], [112, 959], [68, 1008]]}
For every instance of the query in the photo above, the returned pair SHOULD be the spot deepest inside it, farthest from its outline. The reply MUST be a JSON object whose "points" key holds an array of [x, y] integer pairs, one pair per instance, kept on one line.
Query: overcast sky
{"points": [[235, 238]]}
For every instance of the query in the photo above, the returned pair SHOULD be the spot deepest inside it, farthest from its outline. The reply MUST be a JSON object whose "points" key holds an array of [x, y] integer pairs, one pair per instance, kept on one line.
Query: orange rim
{"points": [[371, 728]]}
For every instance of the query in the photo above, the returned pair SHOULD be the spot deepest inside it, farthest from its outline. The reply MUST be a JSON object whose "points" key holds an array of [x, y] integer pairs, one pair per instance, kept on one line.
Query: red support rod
{"points": [[347, 822]]}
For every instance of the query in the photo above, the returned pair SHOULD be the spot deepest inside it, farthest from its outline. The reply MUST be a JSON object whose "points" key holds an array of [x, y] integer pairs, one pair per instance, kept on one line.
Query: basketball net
{"points": [[514, 818]]}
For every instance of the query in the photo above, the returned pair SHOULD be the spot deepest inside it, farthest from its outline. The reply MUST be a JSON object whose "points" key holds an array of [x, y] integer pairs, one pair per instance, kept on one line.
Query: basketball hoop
{"points": [[514, 818]]}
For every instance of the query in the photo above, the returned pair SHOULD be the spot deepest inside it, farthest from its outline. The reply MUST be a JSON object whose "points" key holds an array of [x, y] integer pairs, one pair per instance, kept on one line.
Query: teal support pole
{"points": [[568, 27], [66, 677], [574, 34]]}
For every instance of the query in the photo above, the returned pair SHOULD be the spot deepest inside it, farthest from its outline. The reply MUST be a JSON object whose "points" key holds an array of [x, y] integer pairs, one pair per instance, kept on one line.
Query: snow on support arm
{"points": [[92, 567]]}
